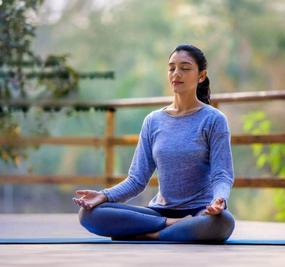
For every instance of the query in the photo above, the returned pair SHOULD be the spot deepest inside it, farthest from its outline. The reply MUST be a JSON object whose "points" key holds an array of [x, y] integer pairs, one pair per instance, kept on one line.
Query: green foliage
{"points": [[270, 157], [279, 200], [10, 154], [17, 55], [64, 80], [45, 78]]}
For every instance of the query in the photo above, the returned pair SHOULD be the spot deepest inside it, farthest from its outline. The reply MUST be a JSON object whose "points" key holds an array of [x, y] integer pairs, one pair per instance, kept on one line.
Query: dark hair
{"points": [[203, 88]]}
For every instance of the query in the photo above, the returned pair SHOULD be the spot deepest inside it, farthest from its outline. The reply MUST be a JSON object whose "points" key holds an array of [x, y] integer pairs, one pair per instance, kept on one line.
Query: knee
{"points": [[224, 225], [92, 219], [84, 217]]}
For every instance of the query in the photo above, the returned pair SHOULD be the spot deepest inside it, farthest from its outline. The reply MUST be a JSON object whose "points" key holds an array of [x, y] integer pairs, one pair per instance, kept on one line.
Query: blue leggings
{"points": [[123, 221]]}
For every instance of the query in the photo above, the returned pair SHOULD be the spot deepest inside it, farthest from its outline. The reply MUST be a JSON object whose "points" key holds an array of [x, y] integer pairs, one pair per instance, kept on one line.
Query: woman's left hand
{"points": [[217, 206]]}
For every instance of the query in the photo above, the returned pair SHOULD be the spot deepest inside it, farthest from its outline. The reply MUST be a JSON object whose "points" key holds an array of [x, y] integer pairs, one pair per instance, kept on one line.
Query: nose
{"points": [[176, 73]]}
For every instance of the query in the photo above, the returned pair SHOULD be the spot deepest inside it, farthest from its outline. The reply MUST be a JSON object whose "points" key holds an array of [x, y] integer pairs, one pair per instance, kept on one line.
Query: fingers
{"points": [[216, 208], [219, 201], [77, 201], [212, 210], [87, 206], [82, 192], [82, 203]]}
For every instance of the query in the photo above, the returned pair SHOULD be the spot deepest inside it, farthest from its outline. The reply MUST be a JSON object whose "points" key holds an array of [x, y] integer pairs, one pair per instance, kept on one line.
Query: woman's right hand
{"points": [[89, 198]]}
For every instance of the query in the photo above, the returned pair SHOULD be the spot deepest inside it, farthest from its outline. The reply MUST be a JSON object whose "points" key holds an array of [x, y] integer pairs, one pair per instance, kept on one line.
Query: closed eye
{"points": [[172, 69]]}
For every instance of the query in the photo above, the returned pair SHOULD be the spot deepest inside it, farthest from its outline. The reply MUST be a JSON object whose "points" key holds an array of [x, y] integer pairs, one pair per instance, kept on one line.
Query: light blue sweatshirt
{"points": [[192, 156]]}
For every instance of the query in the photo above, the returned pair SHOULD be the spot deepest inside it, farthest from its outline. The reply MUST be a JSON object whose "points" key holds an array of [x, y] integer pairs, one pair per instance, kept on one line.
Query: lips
{"points": [[176, 82]]}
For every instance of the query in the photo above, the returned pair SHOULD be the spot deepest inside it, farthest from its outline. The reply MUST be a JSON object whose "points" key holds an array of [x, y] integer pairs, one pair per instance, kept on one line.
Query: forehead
{"points": [[181, 57]]}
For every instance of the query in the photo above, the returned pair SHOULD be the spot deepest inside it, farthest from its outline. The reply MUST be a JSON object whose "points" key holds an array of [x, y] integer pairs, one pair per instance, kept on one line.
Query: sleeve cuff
{"points": [[107, 194], [226, 204]]}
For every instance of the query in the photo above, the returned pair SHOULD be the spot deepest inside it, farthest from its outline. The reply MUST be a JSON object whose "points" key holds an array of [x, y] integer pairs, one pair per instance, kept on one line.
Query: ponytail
{"points": [[203, 91]]}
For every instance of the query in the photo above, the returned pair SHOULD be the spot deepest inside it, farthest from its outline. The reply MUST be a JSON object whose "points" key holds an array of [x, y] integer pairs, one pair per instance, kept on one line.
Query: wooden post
{"points": [[109, 147], [215, 103]]}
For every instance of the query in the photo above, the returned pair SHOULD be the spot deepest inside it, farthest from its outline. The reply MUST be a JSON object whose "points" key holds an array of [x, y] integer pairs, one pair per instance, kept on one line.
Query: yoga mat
{"points": [[78, 240]]}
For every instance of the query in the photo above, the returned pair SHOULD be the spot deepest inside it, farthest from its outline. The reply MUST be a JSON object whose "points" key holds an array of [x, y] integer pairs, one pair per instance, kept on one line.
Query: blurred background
{"points": [[243, 40]]}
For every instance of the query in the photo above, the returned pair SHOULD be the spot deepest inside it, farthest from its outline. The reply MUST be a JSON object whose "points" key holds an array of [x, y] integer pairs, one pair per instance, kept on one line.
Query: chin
{"points": [[178, 91]]}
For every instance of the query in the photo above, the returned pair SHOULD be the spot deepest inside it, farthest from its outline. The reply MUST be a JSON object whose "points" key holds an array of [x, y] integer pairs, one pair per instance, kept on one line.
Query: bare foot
{"points": [[187, 217], [151, 236], [171, 221], [155, 235]]}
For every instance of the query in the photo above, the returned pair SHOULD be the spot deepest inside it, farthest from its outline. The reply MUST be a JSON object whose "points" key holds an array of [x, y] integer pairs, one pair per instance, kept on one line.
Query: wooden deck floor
{"points": [[126, 255]]}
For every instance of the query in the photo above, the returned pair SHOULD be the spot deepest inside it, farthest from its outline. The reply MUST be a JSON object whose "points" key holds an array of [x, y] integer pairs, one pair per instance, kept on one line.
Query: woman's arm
{"points": [[222, 174], [221, 166], [141, 169]]}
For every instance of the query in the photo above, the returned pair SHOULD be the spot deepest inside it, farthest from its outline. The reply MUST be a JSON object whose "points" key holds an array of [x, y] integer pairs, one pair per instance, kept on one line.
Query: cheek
{"points": [[169, 76], [193, 77]]}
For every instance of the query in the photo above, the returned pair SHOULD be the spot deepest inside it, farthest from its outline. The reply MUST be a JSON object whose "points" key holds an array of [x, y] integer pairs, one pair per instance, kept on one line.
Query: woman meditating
{"points": [[188, 143]]}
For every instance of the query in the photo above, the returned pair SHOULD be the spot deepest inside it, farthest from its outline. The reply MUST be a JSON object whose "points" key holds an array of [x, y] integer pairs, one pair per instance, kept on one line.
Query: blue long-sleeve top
{"points": [[192, 156]]}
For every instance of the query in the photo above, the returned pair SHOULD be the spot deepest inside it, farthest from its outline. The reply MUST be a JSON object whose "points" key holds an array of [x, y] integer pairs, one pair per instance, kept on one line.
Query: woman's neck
{"points": [[185, 104]]}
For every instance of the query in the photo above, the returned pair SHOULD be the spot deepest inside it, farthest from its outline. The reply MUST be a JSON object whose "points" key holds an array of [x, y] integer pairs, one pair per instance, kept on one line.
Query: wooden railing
{"points": [[108, 141]]}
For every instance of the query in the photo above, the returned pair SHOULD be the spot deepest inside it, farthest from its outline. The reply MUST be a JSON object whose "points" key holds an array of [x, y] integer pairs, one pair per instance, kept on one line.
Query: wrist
{"points": [[104, 197]]}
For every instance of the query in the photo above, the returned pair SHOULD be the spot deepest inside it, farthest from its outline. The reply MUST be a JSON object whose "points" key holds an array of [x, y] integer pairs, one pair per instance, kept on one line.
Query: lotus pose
{"points": [[188, 144]]}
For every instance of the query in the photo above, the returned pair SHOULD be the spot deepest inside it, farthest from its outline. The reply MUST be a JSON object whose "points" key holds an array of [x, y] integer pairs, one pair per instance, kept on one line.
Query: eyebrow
{"points": [[183, 62]]}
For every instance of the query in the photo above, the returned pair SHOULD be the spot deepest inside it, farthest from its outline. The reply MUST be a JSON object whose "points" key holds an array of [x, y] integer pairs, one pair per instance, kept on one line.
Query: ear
{"points": [[202, 76]]}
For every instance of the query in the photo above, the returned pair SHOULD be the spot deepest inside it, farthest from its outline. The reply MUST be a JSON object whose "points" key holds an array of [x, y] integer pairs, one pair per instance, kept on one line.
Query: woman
{"points": [[188, 142]]}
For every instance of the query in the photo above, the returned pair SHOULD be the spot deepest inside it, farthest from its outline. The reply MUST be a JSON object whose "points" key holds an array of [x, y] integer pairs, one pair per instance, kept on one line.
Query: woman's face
{"points": [[183, 73]]}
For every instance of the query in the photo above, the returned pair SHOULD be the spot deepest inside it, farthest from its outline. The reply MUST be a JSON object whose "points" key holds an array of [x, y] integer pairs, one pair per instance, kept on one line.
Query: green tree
{"points": [[271, 157], [51, 74]]}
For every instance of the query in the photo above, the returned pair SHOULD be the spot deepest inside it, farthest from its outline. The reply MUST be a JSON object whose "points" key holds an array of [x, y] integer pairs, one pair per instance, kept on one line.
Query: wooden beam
{"points": [[141, 102], [51, 140], [246, 139], [51, 179], [248, 96], [125, 140], [260, 182]]}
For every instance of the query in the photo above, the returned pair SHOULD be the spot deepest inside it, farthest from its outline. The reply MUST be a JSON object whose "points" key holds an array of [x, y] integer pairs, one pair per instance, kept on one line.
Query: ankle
{"points": [[171, 221]]}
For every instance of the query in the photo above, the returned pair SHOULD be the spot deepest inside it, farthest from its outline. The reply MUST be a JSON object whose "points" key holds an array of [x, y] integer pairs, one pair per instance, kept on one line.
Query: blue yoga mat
{"points": [[76, 240]]}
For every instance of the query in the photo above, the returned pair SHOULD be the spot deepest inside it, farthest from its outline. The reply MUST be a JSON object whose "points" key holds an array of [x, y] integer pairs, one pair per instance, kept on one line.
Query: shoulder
{"points": [[150, 121], [154, 115], [214, 116], [216, 120], [153, 120], [215, 113]]}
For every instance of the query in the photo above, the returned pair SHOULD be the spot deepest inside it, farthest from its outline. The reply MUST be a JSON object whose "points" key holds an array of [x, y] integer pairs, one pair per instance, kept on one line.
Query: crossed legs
{"points": [[124, 221]]}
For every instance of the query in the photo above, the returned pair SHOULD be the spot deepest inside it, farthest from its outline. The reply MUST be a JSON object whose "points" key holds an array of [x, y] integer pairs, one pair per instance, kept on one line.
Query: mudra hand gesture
{"points": [[89, 198], [216, 207]]}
